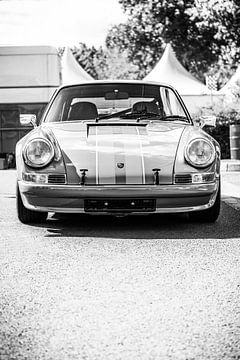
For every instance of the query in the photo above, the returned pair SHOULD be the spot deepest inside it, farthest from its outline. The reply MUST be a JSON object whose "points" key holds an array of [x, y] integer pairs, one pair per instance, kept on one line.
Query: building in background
{"points": [[28, 77]]}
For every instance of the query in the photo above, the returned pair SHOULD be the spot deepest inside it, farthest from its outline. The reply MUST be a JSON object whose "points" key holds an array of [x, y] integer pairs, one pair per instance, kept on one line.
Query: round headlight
{"points": [[38, 153], [200, 153]]}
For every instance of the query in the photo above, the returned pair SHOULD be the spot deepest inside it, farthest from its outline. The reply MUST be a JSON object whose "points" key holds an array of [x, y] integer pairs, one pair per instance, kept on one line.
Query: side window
{"points": [[171, 103], [57, 109]]}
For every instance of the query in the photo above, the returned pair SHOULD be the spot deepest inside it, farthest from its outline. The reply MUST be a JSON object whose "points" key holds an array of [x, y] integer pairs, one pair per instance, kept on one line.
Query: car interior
{"points": [[83, 110]]}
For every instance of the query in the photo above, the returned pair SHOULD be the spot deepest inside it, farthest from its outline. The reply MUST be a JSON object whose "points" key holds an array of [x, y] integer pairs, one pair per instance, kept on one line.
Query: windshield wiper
{"points": [[176, 117], [148, 115], [127, 114], [140, 115], [117, 114]]}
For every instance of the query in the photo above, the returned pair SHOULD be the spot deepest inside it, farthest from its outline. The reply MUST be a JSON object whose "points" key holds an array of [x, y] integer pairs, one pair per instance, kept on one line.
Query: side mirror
{"points": [[27, 119], [209, 120]]}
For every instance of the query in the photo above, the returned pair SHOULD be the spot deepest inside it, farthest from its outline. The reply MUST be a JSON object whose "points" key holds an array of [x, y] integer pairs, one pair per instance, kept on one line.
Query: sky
{"points": [[57, 22]]}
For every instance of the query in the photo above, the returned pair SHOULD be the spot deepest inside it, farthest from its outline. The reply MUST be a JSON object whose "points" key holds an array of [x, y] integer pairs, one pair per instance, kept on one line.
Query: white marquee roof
{"points": [[72, 72], [228, 88], [171, 71]]}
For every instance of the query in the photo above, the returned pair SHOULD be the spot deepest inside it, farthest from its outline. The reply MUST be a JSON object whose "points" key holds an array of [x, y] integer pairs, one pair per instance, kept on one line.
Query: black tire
{"points": [[27, 216], [210, 215]]}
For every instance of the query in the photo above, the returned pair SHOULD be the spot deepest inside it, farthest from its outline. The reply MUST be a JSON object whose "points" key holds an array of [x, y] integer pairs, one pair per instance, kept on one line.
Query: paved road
{"points": [[132, 288]]}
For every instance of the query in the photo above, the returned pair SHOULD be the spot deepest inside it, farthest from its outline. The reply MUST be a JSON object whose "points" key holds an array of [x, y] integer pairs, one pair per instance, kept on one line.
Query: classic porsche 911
{"points": [[117, 147]]}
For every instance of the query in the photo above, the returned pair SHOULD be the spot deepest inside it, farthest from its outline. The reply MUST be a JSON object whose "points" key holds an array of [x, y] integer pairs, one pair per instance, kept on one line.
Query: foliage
{"points": [[224, 17], [60, 51], [226, 114], [203, 33], [221, 134], [233, 93], [230, 117], [85, 57], [115, 66], [105, 63]]}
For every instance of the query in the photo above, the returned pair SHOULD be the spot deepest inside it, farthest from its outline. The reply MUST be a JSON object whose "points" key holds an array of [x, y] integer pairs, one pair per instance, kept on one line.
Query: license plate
{"points": [[122, 205]]}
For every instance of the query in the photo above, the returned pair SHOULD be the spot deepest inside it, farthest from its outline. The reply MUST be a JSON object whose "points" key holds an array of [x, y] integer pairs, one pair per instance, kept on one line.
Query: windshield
{"points": [[103, 101]]}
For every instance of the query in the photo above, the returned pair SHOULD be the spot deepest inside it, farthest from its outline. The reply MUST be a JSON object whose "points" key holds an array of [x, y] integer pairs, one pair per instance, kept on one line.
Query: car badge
{"points": [[120, 165]]}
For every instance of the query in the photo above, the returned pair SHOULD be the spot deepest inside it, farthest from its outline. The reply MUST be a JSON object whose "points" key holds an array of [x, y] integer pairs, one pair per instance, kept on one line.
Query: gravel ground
{"points": [[140, 288]]}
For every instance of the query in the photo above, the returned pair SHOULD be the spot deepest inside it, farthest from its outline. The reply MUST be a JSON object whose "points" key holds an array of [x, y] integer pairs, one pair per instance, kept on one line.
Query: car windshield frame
{"points": [[120, 97]]}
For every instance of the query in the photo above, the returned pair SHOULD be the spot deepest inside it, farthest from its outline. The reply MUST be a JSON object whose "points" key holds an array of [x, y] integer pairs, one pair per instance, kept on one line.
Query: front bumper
{"points": [[70, 198]]}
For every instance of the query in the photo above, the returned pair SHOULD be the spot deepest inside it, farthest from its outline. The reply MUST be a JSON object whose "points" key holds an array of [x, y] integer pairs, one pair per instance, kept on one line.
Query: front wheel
{"points": [[209, 215], [27, 216]]}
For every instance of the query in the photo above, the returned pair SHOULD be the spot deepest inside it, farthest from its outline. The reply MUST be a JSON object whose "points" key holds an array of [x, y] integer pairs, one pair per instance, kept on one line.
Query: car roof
{"points": [[117, 81]]}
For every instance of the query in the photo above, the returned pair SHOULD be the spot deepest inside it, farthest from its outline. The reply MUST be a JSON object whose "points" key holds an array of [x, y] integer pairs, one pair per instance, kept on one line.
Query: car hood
{"points": [[118, 153]]}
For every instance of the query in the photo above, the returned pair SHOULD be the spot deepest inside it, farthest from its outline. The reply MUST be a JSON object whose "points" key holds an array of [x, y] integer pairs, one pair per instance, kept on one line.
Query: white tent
{"points": [[171, 71], [232, 84], [231, 90], [72, 72]]}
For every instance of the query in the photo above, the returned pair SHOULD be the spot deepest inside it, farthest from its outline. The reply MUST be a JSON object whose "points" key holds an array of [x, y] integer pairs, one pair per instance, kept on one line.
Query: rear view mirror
{"points": [[116, 95], [209, 120], [27, 119]]}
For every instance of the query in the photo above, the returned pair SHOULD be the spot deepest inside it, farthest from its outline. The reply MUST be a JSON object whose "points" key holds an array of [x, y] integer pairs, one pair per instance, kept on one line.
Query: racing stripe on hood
{"points": [[134, 156], [88, 158], [105, 157], [148, 177], [130, 151], [119, 157]]}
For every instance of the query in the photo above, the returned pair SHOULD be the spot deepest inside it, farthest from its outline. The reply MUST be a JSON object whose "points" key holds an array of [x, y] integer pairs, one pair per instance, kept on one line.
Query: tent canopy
{"points": [[72, 72], [233, 83], [171, 71]]}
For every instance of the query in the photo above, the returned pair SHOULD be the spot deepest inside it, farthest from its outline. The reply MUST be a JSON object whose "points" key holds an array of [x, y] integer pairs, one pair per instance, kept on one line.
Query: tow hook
{"points": [[156, 175], [83, 178]]}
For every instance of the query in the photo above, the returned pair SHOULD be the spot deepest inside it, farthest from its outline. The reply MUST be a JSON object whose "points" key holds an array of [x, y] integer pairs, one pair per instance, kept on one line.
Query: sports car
{"points": [[119, 148]]}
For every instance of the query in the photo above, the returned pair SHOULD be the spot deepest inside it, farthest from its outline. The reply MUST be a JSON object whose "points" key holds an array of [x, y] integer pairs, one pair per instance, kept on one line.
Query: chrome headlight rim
{"points": [[43, 164], [197, 165]]}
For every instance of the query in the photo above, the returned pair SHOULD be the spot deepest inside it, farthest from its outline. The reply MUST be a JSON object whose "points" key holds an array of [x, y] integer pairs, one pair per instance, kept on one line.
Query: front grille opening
{"points": [[56, 179], [119, 205]]}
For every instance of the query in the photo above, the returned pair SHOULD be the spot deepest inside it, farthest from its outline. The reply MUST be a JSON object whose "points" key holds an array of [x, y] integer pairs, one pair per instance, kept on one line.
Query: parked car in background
{"points": [[117, 147]]}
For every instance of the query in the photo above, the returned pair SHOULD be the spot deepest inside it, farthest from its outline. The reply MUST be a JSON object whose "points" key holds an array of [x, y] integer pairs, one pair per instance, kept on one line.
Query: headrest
{"points": [[83, 110], [147, 106]]}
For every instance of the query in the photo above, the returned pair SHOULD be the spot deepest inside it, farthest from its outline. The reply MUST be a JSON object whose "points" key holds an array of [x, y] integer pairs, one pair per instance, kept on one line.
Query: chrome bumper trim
{"points": [[82, 190], [143, 191], [158, 210]]}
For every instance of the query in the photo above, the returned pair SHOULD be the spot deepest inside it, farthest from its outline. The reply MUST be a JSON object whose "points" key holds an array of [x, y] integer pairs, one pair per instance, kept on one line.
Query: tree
{"points": [[224, 16], [85, 57], [115, 66], [105, 63], [200, 32]]}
